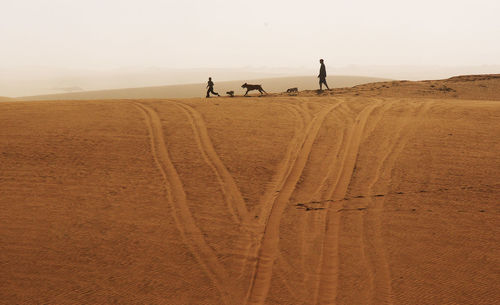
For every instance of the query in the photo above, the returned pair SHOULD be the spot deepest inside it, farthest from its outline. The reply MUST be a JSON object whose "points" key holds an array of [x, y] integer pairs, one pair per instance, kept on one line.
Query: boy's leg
{"points": [[213, 92]]}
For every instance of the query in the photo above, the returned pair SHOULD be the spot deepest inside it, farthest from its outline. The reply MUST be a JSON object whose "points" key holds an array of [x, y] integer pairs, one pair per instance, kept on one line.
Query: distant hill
{"points": [[198, 90], [6, 99]]}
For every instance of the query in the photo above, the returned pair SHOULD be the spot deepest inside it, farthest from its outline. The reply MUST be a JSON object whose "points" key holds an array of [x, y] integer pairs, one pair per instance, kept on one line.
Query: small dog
{"points": [[253, 87], [230, 93], [292, 90]]}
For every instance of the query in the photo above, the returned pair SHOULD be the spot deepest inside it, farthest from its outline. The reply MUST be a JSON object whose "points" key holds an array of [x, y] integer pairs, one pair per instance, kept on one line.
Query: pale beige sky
{"points": [[108, 34]]}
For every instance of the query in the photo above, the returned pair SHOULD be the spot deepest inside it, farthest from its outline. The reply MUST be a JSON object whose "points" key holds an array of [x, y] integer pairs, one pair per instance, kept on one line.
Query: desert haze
{"points": [[382, 193], [276, 84]]}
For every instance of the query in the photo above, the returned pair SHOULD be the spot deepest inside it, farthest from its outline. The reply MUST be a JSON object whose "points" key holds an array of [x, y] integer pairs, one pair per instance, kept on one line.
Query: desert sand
{"points": [[385, 193]]}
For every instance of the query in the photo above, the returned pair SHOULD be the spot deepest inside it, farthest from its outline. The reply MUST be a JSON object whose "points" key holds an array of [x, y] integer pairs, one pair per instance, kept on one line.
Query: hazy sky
{"points": [[107, 34]]}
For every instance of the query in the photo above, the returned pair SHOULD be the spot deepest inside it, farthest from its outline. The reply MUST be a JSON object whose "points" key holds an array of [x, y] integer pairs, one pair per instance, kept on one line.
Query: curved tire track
{"points": [[288, 178], [375, 118], [371, 222], [230, 190], [255, 236], [176, 198], [327, 286]]}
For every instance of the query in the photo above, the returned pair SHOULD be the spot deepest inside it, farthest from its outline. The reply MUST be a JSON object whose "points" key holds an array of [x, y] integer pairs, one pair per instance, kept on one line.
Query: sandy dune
{"points": [[365, 196], [483, 87]]}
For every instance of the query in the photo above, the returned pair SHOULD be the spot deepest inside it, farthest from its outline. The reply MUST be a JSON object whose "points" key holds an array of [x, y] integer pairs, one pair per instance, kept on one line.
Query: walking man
{"points": [[322, 76], [210, 87]]}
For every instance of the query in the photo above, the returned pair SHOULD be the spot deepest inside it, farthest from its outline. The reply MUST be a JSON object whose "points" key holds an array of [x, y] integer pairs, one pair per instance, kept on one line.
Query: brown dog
{"points": [[253, 87]]}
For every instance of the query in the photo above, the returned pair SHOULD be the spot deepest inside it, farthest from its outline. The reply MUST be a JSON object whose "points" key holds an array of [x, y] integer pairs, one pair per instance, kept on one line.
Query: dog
{"points": [[292, 90], [253, 87], [230, 93]]}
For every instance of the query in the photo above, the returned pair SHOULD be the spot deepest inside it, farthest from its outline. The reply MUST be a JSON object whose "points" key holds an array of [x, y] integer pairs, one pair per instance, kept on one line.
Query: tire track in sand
{"points": [[309, 221], [229, 189], [302, 118], [371, 222], [317, 221], [365, 266], [367, 129], [176, 198], [274, 204], [327, 285], [313, 223]]}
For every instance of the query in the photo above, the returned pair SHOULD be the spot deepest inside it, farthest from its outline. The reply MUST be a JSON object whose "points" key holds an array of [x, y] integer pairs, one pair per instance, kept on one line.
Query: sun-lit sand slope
{"points": [[484, 87], [337, 199]]}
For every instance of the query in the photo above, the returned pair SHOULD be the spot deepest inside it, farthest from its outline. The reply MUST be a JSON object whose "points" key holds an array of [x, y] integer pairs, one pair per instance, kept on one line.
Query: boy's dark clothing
{"points": [[210, 87]]}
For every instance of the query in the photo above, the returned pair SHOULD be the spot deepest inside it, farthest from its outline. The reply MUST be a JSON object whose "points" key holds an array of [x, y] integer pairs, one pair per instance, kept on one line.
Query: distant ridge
{"points": [[476, 77], [198, 90], [478, 87]]}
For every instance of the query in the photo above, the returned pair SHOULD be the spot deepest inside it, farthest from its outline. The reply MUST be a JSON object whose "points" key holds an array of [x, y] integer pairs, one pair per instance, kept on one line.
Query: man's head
{"points": [[209, 78], [321, 61]]}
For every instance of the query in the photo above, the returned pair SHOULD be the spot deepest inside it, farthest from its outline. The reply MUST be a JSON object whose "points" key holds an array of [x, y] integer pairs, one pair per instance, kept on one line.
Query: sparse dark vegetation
{"points": [[445, 88]]}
